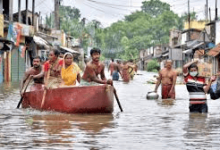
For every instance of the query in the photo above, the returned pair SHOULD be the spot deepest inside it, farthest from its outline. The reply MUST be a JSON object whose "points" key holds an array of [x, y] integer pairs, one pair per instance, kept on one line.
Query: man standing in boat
{"points": [[35, 70], [52, 70], [168, 78], [94, 69]]}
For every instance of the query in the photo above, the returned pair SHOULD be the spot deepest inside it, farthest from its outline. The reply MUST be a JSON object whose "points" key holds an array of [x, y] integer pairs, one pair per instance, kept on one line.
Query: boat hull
{"points": [[79, 99]]}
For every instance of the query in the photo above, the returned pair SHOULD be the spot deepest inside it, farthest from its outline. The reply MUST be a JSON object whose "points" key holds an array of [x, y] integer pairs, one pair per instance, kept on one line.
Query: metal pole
{"points": [[206, 9], [56, 13], [26, 14], [19, 10], [10, 10], [33, 12], [216, 10], [188, 20]]}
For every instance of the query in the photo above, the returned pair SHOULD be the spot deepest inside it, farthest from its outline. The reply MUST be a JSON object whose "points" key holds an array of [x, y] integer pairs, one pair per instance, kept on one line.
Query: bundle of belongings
{"points": [[215, 89]]}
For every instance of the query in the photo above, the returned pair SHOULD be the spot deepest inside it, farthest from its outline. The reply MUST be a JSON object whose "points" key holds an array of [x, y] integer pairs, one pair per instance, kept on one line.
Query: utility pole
{"points": [[188, 20], [206, 10], [216, 10], [50, 21], [56, 12], [1, 6], [19, 11], [10, 10], [33, 11], [26, 14]]}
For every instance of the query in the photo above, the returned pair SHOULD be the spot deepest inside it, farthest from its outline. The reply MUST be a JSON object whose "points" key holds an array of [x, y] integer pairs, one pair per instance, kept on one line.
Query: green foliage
{"points": [[154, 70], [155, 7], [152, 66], [123, 39], [139, 30], [185, 16]]}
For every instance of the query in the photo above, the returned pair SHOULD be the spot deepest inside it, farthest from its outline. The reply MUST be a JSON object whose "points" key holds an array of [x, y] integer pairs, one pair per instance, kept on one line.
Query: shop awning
{"points": [[198, 45], [166, 54], [40, 41], [188, 51], [215, 51], [69, 50], [5, 44]]}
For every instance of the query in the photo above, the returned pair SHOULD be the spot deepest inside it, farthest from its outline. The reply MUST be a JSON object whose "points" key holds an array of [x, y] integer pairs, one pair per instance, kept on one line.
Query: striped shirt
{"points": [[195, 89]]}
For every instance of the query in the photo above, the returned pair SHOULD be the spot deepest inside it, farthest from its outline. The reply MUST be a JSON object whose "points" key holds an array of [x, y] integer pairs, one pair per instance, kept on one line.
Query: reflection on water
{"points": [[66, 127], [144, 124]]}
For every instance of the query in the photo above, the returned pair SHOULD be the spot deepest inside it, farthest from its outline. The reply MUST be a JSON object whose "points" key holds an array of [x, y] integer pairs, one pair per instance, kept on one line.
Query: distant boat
{"points": [[77, 99]]}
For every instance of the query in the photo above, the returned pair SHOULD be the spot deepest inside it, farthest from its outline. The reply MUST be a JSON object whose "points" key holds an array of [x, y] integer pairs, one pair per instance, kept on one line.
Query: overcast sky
{"points": [[109, 11]]}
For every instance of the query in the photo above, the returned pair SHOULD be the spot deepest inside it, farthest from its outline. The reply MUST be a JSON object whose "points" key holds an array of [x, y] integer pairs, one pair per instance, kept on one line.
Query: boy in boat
{"points": [[52, 70], [36, 69], [168, 78], [93, 69]]}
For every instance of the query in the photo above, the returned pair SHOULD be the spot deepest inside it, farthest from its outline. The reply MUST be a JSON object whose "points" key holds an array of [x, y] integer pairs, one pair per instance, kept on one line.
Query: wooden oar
{"points": [[24, 90], [45, 91], [116, 97]]}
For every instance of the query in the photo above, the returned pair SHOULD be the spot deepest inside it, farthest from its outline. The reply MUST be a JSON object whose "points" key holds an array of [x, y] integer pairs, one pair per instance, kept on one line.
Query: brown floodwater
{"points": [[144, 124]]}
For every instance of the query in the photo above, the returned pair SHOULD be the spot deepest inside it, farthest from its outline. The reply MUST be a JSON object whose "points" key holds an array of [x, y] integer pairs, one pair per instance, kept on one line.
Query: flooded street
{"points": [[144, 124]]}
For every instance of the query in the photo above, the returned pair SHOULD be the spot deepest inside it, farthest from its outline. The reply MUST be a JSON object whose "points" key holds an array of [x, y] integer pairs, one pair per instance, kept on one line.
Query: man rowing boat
{"points": [[35, 70], [94, 69]]}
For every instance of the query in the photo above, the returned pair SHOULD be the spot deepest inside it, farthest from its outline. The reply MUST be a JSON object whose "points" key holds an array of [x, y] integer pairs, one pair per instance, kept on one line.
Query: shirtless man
{"points": [[93, 69], [111, 67], [116, 72], [36, 69], [168, 78]]}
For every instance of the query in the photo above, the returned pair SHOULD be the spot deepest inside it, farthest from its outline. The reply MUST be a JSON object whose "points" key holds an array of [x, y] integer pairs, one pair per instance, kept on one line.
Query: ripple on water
{"points": [[144, 124]]}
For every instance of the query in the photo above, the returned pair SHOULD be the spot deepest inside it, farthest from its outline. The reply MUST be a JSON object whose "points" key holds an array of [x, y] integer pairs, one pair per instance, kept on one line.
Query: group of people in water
{"points": [[60, 72], [195, 84], [126, 70]]}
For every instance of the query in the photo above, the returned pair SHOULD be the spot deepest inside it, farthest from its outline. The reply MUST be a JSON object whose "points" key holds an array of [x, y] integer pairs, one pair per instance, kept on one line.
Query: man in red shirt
{"points": [[52, 70]]}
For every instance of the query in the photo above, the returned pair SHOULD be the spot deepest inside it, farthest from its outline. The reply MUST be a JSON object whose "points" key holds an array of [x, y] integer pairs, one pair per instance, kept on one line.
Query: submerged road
{"points": [[144, 124]]}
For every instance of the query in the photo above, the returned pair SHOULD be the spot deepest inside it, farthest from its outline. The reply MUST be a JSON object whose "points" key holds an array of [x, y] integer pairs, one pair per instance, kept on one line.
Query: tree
{"points": [[154, 7], [193, 16]]}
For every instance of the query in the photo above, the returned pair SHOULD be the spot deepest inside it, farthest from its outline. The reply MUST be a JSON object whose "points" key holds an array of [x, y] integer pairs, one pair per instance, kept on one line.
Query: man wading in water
{"points": [[196, 87], [93, 69], [168, 78]]}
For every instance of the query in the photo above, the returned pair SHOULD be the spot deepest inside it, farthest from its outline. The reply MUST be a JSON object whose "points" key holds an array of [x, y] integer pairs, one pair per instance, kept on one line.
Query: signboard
{"points": [[1, 25], [26, 30], [176, 54], [157, 51], [217, 34], [183, 39]]}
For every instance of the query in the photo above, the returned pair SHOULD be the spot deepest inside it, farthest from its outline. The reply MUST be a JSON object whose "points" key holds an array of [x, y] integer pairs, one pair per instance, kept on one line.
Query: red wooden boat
{"points": [[78, 99]]}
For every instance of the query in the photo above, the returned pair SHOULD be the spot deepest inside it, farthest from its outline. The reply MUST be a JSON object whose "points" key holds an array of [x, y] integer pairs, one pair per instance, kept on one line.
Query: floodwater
{"points": [[144, 124]]}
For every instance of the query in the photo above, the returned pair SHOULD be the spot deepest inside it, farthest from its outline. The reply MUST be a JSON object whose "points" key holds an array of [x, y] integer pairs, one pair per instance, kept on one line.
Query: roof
{"points": [[5, 40], [69, 50], [24, 11], [191, 29], [215, 51], [40, 41], [5, 43]]}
